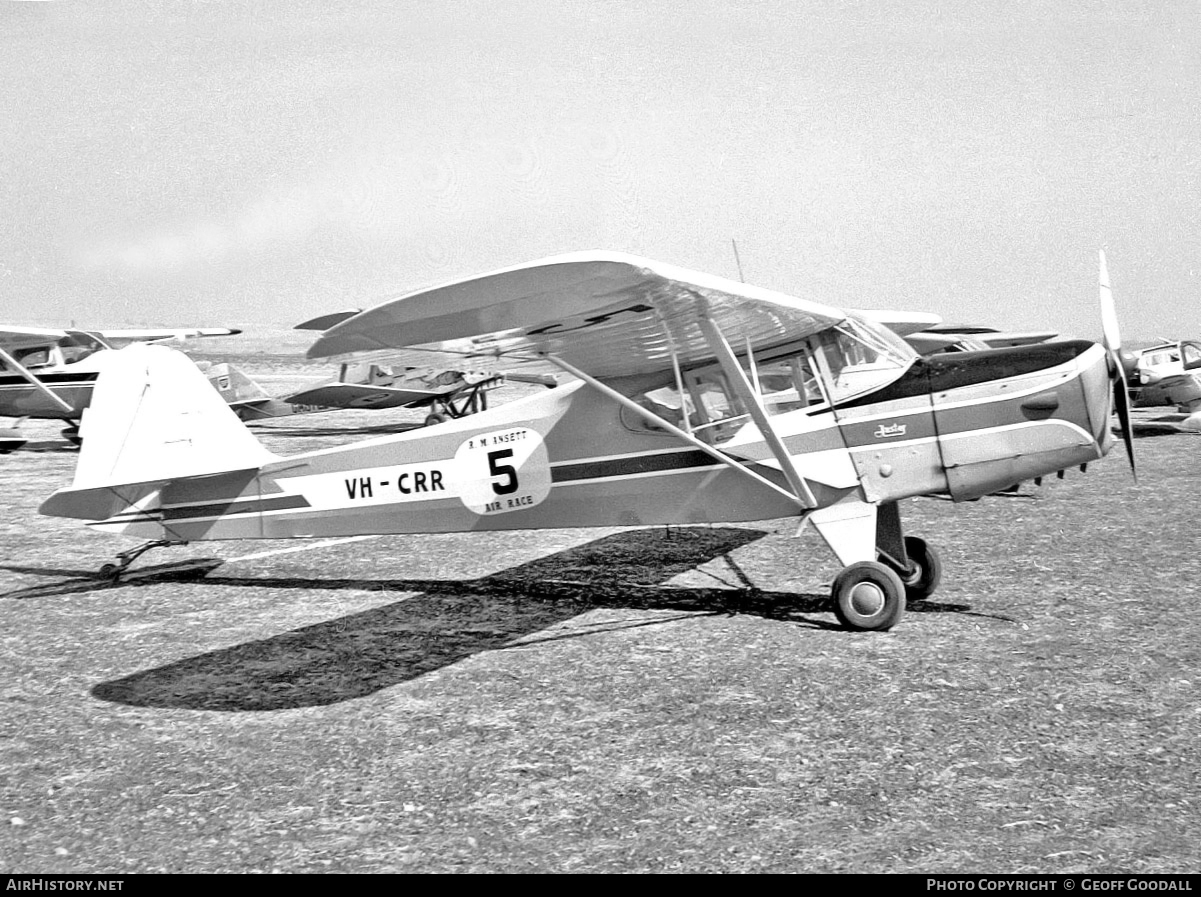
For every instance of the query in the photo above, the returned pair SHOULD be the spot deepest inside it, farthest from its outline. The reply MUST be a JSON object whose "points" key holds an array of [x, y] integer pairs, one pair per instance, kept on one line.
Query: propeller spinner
{"points": [[1112, 340]]}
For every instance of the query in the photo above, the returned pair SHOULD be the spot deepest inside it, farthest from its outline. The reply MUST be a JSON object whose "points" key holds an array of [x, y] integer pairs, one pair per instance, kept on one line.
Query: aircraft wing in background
{"points": [[971, 338]]}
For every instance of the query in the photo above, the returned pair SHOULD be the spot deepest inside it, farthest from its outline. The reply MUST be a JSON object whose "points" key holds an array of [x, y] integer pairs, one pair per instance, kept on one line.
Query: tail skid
{"points": [[154, 417]]}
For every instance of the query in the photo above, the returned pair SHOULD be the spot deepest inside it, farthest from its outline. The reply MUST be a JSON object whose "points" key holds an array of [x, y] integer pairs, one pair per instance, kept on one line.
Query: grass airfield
{"points": [[610, 700]]}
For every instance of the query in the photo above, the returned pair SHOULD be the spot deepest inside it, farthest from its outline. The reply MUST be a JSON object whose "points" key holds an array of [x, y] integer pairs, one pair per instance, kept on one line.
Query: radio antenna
{"points": [[737, 260]]}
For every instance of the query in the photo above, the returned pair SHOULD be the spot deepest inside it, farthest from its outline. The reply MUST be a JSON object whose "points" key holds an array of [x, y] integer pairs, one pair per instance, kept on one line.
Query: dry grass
{"points": [[609, 701]]}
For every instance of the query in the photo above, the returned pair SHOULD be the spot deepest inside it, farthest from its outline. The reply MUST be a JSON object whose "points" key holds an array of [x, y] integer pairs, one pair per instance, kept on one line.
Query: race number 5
{"points": [[502, 471], [506, 471]]}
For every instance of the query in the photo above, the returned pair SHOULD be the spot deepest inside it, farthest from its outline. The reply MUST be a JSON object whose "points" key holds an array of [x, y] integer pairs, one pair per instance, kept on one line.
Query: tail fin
{"points": [[246, 397], [233, 385], [153, 417]]}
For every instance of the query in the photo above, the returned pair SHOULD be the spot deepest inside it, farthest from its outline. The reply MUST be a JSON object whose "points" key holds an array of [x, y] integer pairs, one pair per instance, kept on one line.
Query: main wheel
{"points": [[926, 574], [868, 596], [436, 418]]}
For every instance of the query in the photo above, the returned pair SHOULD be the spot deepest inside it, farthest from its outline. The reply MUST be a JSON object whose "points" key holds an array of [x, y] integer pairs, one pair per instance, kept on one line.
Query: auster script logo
{"points": [[888, 432]]}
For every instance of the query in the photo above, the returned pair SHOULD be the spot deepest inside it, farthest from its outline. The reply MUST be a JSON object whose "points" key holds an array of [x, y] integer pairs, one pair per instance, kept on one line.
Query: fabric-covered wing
{"points": [[607, 313]]}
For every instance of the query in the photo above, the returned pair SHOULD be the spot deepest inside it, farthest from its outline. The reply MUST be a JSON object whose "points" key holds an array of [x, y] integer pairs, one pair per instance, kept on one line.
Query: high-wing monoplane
{"points": [[1168, 374], [49, 373], [695, 400]]}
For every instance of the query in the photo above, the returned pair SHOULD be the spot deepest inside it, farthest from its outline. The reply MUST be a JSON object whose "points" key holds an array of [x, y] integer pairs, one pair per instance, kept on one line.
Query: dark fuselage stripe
{"points": [[70, 379], [634, 464], [233, 508]]}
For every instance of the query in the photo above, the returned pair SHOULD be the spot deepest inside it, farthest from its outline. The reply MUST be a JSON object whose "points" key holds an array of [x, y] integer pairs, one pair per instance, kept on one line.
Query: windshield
{"points": [[862, 357]]}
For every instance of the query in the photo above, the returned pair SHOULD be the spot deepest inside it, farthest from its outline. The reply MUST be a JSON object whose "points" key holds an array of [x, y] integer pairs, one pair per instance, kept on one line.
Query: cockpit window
{"points": [[851, 359], [708, 406], [33, 358], [77, 345], [1156, 359]]}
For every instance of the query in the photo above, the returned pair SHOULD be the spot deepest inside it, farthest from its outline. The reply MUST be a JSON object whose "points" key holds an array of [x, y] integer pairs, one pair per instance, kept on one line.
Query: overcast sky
{"points": [[265, 162]]}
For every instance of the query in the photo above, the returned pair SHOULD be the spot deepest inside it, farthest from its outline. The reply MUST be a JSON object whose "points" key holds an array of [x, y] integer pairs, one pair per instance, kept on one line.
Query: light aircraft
{"points": [[50, 373], [447, 393], [1168, 374], [696, 400]]}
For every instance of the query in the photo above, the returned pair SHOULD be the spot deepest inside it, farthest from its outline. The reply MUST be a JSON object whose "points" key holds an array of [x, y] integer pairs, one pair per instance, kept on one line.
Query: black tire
{"points": [[922, 581], [868, 597], [435, 419], [110, 571]]}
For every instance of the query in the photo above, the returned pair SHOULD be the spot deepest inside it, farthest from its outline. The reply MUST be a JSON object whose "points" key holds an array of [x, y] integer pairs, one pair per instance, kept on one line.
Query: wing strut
{"points": [[658, 421], [675, 367], [37, 384], [754, 404]]}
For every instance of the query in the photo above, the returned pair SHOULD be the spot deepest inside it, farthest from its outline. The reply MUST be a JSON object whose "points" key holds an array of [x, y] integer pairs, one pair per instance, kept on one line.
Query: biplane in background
{"points": [[696, 400], [50, 373], [972, 338], [446, 393]]}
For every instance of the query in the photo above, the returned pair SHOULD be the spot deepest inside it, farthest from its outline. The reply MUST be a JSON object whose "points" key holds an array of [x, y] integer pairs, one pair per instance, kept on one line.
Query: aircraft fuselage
{"points": [[961, 425]]}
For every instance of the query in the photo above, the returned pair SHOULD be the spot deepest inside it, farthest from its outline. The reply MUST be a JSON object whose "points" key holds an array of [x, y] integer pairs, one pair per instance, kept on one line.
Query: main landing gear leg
{"points": [[114, 571], [871, 595], [915, 562]]}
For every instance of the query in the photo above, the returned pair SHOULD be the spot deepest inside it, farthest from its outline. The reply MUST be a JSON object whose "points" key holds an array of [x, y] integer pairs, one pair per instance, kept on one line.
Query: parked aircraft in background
{"points": [[49, 373], [1168, 374], [697, 400], [971, 338], [449, 392]]}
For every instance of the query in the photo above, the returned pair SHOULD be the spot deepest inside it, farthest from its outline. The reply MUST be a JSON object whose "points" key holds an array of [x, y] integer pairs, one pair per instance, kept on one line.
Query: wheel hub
{"points": [[867, 599]]}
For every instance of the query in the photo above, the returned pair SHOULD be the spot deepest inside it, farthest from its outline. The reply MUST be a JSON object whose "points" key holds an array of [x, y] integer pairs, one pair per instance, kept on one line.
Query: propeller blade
{"points": [[1121, 404], [1111, 335], [1112, 339]]}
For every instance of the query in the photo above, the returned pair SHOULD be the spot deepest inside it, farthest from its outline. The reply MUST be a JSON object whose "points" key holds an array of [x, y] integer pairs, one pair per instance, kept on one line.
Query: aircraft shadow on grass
{"points": [[358, 654]]}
